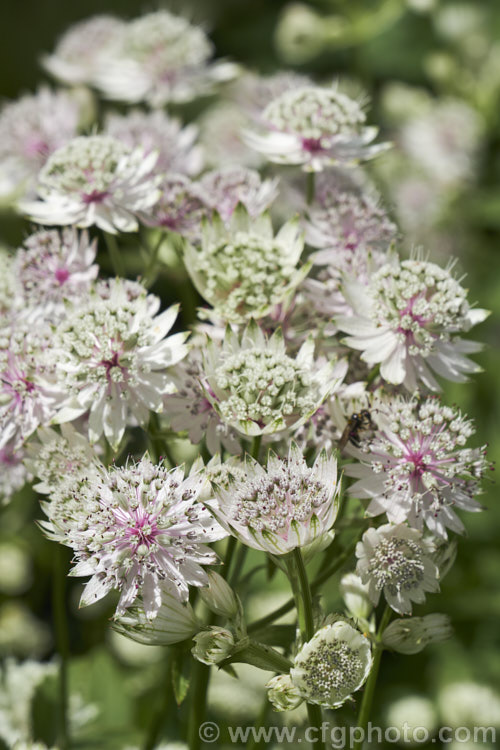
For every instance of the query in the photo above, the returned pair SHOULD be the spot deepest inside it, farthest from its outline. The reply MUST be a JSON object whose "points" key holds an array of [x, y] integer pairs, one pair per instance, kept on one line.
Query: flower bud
{"points": [[412, 634], [213, 646], [174, 622], [445, 556], [282, 693], [355, 594], [219, 596]]}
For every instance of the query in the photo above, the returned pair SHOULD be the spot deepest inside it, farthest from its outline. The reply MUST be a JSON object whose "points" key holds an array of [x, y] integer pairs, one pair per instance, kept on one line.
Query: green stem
{"points": [[369, 692], [255, 450], [159, 718], [199, 681], [304, 605], [231, 546], [115, 254], [310, 188], [320, 578], [264, 712], [62, 641], [238, 565], [150, 274], [373, 374]]}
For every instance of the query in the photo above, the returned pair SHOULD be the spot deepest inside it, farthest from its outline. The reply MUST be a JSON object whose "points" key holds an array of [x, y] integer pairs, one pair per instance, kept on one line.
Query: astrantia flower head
{"points": [[396, 560], [31, 129], [345, 215], [444, 140], [189, 409], [315, 126], [160, 58], [95, 180], [77, 54], [258, 389], [407, 319], [283, 506], [156, 131], [29, 395], [332, 665], [225, 188], [180, 208], [66, 468], [144, 532], [113, 358], [55, 266], [243, 270], [416, 467]]}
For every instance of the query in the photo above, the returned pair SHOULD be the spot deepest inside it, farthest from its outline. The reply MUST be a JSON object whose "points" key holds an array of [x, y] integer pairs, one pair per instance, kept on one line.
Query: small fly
{"points": [[358, 422]]}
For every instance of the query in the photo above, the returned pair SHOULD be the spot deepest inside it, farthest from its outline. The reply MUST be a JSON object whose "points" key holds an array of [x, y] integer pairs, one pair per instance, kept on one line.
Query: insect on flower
{"points": [[357, 422]]}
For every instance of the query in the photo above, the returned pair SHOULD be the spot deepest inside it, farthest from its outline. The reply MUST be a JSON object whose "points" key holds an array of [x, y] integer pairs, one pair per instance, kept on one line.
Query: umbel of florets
{"points": [[283, 506], [258, 389], [332, 665], [244, 271], [315, 127], [407, 319], [416, 466], [396, 560]]}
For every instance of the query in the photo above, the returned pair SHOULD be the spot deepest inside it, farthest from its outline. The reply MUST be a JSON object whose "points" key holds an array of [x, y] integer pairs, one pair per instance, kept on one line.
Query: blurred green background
{"points": [[445, 49]]}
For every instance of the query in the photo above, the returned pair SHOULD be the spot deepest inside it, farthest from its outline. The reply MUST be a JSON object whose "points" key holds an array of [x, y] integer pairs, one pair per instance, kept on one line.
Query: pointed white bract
{"points": [[258, 389], [159, 58], [282, 506], [97, 180], [416, 467], [113, 360], [314, 127], [243, 270], [408, 319], [332, 665], [397, 560], [144, 532]]}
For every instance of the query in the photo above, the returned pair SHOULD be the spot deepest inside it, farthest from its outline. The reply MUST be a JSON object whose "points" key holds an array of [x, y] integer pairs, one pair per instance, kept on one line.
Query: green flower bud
{"points": [[220, 597], [282, 693], [213, 646], [412, 634]]}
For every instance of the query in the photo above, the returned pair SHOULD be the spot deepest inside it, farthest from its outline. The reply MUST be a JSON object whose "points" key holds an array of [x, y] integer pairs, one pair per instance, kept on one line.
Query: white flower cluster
{"points": [[307, 356]]}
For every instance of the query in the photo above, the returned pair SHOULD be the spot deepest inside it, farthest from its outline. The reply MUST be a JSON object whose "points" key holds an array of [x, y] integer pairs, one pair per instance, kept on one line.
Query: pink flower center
{"points": [[313, 145], [96, 196], [142, 532], [62, 275]]}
